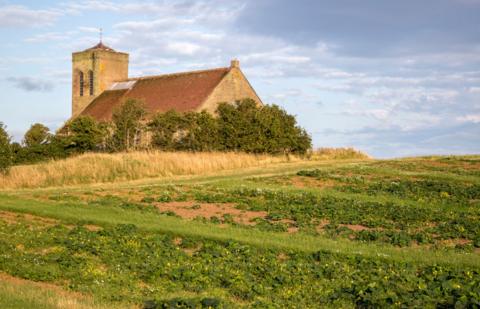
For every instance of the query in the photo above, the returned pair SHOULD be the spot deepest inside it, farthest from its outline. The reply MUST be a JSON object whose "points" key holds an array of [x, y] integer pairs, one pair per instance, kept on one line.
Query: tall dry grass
{"points": [[346, 153], [101, 168]]}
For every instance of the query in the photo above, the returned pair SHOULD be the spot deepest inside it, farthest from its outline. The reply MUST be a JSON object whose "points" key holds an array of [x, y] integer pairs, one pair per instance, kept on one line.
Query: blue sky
{"points": [[392, 78]]}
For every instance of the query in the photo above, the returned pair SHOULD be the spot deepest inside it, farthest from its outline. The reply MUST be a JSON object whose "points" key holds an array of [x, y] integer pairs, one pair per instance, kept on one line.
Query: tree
{"points": [[127, 121], [38, 134], [5, 150], [190, 131], [84, 134], [245, 126]]}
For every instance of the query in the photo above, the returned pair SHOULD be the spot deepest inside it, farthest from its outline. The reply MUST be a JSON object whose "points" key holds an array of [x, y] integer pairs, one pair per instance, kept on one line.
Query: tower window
{"points": [[82, 83], [90, 81]]}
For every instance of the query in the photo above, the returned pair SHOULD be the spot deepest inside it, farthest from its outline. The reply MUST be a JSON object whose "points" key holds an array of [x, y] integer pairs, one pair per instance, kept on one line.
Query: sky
{"points": [[391, 78]]}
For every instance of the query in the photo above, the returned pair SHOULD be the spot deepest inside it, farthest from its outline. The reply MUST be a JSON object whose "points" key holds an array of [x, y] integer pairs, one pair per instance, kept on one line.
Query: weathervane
{"points": [[101, 35]]}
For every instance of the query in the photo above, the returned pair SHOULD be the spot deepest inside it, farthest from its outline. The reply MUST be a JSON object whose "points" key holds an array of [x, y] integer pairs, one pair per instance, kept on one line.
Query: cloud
{"points": [[20, 16], [48, 37], [392, 141], [469, 118], [31, 84]]}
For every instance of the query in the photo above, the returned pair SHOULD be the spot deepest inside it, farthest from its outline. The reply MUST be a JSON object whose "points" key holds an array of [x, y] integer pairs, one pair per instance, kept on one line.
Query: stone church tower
{"points": [[93, 71]]}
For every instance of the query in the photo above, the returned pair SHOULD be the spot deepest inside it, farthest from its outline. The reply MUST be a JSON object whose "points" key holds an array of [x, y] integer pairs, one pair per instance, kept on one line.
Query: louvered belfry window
{"points": [[90, 81], [82, 83]]}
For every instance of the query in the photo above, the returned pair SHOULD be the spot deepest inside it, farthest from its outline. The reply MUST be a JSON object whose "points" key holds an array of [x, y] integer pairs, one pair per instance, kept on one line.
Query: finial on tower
{"points": [[101, 34]]}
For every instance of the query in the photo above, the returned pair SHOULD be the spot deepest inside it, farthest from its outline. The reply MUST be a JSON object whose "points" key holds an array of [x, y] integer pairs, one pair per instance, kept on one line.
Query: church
{"points": [[100, 83]]}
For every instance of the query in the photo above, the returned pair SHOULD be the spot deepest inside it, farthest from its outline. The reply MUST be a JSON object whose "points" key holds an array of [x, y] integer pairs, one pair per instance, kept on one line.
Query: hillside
{"points": [[303, 233]]}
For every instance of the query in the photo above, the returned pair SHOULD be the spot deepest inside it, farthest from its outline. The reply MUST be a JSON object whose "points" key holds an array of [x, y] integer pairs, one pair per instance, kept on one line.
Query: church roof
{"points": [[180, 91], [100, 46]]}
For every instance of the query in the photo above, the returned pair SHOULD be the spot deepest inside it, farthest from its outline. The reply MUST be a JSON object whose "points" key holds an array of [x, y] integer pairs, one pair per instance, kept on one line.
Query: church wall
{"points": [[107, 67], [234, 86]]}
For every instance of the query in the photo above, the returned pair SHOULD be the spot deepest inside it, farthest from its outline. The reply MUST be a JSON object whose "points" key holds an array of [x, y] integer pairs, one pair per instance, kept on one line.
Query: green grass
{"points": [[111, 216]]}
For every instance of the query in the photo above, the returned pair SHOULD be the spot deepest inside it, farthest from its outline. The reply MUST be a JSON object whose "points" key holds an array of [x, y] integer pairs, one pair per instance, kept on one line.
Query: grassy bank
{"points": [[101, 168], [118, 167]]}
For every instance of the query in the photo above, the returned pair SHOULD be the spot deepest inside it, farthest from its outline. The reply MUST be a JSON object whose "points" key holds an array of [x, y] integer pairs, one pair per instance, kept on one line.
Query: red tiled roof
{"points": [[181, 92], [100, 46], [101, 108]]}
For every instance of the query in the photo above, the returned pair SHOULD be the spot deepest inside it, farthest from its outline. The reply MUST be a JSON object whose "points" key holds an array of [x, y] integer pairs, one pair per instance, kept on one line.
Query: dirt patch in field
{"points": [[13, 218], [93, 228], [455, 241], [303, 182], [191, 210], [355, 227], [41, 285]]}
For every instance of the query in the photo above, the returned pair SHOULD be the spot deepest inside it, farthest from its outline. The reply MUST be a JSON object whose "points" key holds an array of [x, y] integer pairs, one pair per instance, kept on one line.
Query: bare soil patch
{"points": [[191, 210], [303, 182], [13, 218], [41, 285], [355, 227]]}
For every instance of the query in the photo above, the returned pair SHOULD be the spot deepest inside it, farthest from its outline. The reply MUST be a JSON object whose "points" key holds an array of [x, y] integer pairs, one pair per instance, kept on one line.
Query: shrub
{"points": [[243, 126], [5, 150], [127, 122], [38, 134], [190, 131], [82, 134]]}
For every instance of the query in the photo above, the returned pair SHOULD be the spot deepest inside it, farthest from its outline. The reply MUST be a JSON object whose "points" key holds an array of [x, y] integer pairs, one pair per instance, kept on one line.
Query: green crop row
{"points": [[123, 263]]}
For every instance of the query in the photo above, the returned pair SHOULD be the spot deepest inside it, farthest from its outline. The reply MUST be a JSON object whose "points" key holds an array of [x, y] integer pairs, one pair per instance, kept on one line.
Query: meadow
{"points": [[335, 230]]}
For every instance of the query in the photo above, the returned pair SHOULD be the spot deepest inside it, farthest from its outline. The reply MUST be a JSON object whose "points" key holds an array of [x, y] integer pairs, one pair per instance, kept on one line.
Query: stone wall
{"points": [[233, 87], [107, 66]]}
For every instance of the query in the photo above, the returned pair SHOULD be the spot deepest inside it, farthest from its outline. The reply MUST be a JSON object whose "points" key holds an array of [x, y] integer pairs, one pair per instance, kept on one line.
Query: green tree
{"points": [[190, 131], [245, 126], [166, 128], [128, 125], [83, 134], [38, 134], [5, 150]]}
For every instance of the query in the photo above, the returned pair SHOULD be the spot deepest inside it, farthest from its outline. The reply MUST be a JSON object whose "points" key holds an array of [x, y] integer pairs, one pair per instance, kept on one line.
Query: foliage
{"points": [[38, 134], [190, 131], [266, 129], [244, 126], [83, 134], [127, 122], [123, 263], [5, 150]]}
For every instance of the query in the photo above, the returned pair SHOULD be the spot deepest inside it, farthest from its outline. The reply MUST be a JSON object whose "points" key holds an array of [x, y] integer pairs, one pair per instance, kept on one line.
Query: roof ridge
{"points": [[175, 74]]}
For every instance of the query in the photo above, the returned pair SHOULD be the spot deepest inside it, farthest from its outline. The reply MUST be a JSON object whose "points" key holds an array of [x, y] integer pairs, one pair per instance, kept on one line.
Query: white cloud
{"points": [[21, 16], [48, 37], [184, 48], [474, 118]]}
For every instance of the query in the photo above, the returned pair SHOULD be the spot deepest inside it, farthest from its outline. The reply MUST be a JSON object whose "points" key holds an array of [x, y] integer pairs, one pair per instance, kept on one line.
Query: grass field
{"points": [[299, 234]]}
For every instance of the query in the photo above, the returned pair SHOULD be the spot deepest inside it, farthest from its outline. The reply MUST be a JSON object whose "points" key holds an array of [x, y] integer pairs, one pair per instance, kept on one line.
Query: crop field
{"points": [[303, 234]]}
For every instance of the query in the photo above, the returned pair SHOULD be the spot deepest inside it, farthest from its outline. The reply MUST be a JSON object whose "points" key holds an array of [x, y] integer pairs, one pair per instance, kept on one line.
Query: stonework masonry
{"points": [[107, 66], [233, 87]]}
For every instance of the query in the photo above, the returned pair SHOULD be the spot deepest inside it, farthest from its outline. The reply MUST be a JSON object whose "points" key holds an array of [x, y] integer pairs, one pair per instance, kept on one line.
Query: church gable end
{"points": [[233, 87]]}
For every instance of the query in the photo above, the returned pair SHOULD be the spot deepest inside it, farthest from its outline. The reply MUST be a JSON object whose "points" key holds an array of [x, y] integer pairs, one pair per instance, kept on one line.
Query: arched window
{"points": [[82, 83], [90, 81]]}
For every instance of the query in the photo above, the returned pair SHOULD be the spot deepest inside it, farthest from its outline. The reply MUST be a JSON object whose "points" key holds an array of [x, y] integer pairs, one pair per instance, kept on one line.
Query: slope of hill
{"points": [[301, 234]]}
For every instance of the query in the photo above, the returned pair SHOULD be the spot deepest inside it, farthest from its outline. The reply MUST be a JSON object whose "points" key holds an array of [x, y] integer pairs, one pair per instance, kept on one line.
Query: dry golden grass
{"points": [[338, 154], [21, 293], [101, 168]]}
